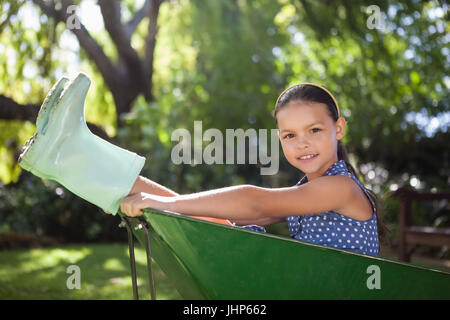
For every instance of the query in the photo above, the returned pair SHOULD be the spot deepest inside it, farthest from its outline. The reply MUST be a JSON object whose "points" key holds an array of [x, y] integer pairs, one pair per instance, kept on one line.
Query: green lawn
{"points": [[105, 273], [104, 268]]}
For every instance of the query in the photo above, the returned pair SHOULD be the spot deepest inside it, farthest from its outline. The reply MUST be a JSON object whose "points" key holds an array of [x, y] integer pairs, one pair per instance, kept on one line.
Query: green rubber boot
{"points": [[63, 149]]}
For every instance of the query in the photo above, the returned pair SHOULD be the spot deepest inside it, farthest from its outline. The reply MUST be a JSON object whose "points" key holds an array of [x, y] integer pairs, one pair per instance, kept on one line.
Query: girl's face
{"points": [[307, 129]]}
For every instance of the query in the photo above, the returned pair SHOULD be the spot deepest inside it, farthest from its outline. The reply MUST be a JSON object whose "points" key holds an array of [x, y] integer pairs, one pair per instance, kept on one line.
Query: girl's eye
{"points": [[316, 130], [288, 136]]}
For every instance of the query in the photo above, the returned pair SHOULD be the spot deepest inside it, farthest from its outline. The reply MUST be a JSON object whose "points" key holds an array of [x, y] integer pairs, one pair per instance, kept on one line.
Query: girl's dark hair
{"points": [[312, 93]]}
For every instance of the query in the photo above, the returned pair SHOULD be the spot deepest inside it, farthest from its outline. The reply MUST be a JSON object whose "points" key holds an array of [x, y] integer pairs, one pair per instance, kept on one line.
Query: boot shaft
{"points": [[63, 149]]}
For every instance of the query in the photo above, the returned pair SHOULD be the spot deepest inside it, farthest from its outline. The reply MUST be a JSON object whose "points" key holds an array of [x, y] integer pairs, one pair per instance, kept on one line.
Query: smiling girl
{"points": [[328, 206]]}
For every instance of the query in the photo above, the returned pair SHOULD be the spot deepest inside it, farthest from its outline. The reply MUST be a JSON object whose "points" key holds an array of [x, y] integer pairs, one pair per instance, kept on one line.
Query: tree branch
{"points": [[11, 110], [138, 17], [111, 17], [133, 74], [134, 71], [48, 8], [150, 41], [87, 42]]}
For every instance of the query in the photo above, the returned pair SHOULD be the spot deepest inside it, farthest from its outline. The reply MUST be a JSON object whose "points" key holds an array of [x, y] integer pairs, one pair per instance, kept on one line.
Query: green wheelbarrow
{"points": [[207, 260]]}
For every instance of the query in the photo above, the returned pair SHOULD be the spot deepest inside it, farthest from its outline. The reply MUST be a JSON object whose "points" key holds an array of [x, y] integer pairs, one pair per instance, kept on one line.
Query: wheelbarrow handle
{"points": [[142, 225], [148, 250], [127, 225]]}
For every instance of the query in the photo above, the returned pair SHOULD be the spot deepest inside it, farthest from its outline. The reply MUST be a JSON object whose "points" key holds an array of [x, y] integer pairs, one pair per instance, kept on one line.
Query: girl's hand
{"points": [[133, 204]]}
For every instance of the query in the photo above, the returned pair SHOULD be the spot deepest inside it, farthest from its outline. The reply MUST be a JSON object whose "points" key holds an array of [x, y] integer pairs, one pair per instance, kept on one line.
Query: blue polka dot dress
{"points": [[333, 229]]}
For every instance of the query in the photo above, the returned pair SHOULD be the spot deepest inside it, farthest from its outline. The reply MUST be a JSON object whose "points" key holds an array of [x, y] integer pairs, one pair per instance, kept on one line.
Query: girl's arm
{"points": [[252, 202], [259, 222], [143, 184]]}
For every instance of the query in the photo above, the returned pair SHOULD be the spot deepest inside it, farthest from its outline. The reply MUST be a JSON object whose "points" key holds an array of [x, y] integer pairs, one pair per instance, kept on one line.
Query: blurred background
{"points": [[157, 66]]}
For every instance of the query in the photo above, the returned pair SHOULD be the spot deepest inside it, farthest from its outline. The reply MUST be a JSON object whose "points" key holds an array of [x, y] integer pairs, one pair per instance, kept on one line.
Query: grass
{"points": [[105, 273], [104, 268]]}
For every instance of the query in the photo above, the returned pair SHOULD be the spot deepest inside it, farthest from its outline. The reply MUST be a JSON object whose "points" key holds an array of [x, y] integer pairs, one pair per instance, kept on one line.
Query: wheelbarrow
{"points": [[207, 260]]}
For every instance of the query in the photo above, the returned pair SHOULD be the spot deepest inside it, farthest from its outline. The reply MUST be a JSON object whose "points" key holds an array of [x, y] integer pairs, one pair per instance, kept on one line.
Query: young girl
{"points": [[328, 206]]}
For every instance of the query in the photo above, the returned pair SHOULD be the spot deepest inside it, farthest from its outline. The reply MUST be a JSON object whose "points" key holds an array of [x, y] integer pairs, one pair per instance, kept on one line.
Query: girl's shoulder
{"points": [[339, 193], [360, 206]]}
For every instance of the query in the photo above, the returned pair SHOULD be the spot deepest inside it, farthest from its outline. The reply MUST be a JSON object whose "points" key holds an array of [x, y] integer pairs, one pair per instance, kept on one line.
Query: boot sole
{"points": [[55, 104], [33, 149]]}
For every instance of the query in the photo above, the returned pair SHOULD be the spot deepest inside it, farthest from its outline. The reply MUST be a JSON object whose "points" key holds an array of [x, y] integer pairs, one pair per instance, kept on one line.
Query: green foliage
{"points": [[379, 77], [46, 209]]}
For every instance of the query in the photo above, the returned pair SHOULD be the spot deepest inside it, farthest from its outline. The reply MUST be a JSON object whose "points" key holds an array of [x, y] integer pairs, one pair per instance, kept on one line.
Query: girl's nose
{"points": [[302, 143]]}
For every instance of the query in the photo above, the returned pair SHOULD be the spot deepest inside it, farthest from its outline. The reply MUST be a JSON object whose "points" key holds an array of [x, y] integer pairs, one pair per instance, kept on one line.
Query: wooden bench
{"points": [[409, 235]]}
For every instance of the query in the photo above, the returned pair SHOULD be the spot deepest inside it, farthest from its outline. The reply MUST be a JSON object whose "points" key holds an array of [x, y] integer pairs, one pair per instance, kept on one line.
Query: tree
{"points": [[131, 75], [230, 59]]}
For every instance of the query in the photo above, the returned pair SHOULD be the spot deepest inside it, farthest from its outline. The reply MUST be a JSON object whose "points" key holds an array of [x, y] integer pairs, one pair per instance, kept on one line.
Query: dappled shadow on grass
{"points": [[105, 273]]}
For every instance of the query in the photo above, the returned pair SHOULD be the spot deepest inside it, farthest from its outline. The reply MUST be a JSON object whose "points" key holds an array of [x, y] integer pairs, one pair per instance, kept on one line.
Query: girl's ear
{"points": [[278, 133], [340, 128]]}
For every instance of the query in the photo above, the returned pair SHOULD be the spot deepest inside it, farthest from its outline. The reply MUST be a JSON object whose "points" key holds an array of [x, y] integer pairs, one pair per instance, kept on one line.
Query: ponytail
{"points": [[342, 155], [382, 228]]}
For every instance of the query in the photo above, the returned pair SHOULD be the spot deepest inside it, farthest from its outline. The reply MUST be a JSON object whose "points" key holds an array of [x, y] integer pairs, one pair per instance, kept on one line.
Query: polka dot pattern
{"points": [[331, 228], [335, 230], [254, 227]]}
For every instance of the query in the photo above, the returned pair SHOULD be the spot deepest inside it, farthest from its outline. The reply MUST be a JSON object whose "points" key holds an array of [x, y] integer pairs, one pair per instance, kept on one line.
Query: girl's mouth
{"points": [[307, 158]]}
